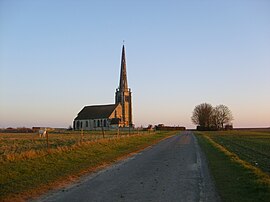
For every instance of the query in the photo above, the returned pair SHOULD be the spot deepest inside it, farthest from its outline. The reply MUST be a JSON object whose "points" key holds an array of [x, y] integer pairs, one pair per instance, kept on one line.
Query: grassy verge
{"points": [[16, 145], [23, 178], [236, 180], [251, 146]]}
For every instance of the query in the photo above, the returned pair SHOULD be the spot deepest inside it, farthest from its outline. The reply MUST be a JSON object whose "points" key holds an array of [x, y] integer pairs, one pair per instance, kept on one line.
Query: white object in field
{"points": [[42, 133]]}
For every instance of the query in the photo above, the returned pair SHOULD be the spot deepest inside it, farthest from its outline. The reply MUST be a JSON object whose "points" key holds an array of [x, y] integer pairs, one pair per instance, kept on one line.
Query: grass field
{"points": [[27, 168], [239, 162], [14, 146], [251, 146]]}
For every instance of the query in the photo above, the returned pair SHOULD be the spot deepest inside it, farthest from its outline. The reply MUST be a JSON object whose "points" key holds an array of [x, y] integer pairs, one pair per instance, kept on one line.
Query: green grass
{"points": [[251, 146], [235, 181], [29, 176]]}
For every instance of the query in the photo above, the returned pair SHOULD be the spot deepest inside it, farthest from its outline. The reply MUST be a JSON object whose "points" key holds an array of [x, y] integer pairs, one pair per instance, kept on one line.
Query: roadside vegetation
{"points": [[239, 162], [29, 168], [16, 146]]}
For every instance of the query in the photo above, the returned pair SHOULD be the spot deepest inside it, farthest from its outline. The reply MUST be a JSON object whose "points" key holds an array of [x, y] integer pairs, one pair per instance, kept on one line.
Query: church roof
{"points": [[96, 112]]}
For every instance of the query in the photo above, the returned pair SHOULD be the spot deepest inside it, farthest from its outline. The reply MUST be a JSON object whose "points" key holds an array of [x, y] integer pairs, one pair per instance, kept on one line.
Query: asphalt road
{"points": [[173, 170]]}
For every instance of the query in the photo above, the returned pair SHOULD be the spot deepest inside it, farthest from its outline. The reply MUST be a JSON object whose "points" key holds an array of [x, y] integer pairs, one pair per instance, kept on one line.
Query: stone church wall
{"points": [[91, 124]]}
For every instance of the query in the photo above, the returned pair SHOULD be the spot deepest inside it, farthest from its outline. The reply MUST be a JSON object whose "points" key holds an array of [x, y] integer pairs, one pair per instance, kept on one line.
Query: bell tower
{"points": [[123, 93]]}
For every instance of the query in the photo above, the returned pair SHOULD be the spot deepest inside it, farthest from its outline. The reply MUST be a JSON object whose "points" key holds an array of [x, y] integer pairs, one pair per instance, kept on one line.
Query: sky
{"points": [[57, 56]]}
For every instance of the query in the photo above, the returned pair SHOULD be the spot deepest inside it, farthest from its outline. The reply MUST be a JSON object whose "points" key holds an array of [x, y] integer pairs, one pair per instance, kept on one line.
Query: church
{"points": [[109, 116]]}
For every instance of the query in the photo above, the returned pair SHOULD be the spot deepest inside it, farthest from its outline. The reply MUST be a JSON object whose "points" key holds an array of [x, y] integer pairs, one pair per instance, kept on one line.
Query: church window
{"points": [[78, 125], [98, 123], [81, 124], [86, 124], [94, 123], [105, 123]]}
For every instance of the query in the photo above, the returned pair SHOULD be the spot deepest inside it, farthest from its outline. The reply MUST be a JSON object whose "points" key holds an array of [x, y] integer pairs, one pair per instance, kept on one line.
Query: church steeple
{"points": [[123, 94], [123, 85]]}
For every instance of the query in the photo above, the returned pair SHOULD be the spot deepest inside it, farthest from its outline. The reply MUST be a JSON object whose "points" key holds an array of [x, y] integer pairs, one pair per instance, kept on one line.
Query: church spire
{"points": [[123, 94], [123, 85]]}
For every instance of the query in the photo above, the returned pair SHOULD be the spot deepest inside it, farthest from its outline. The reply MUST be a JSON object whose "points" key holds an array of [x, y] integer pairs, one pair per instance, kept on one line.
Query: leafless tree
{"points": [[207, 117], [215, 118], [202, 115], [221, 115]]}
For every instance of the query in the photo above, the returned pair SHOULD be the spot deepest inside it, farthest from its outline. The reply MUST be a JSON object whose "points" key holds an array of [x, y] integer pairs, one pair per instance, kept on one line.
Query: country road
{"points": [[173, 170]]}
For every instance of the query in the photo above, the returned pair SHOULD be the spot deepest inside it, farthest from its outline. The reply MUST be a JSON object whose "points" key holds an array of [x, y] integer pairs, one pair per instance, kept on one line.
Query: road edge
{"points": [[72, 181]]}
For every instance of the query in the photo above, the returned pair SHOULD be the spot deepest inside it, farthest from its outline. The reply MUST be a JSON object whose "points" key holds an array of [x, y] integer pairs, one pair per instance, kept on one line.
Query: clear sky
{"points": [[57, 56]]}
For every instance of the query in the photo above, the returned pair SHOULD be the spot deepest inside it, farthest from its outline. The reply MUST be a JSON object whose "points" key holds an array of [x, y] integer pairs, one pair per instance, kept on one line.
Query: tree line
{"points": [[207, 117]]}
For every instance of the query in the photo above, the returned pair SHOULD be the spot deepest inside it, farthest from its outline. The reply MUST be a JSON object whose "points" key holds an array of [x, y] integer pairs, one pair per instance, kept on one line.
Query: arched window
{"points": [[78, 125], [105, 123], [98, 123], [81, 124], [94, 123], [86, 124]]}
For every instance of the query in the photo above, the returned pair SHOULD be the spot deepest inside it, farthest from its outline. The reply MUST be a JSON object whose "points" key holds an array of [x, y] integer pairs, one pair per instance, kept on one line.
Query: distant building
{"points": [[114, 115], [163, 127]]}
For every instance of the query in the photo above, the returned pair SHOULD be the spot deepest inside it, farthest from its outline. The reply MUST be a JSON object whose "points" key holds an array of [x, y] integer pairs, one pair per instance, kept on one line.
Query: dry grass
{"points": [[32, 172], [19, 146]]}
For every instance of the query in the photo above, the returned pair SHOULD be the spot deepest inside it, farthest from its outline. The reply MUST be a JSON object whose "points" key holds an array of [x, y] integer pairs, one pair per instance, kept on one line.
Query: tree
{"points": [[222, 115], [202, 115], [209, 118]]}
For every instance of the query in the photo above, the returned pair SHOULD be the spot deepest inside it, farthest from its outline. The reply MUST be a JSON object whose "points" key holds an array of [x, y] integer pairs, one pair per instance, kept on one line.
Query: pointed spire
{"points": [[123, 85]]}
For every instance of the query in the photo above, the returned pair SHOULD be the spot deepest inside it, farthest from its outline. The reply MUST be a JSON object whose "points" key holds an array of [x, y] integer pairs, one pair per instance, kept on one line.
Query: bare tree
{"points": [[215, 118], [208, 118], [223, 115], [202, 115]]}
